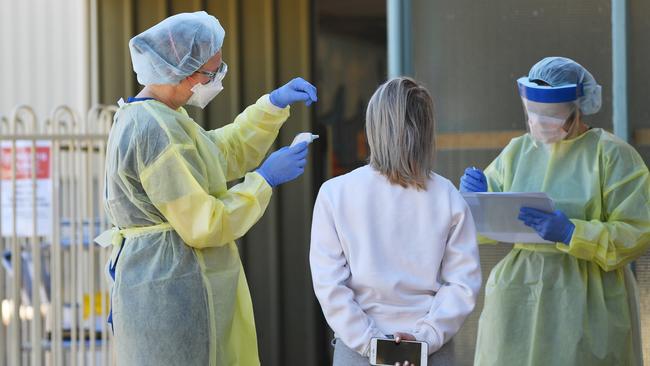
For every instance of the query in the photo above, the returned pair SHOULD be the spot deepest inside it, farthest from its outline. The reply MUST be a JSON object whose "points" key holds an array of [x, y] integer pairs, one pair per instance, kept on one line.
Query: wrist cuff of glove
{"points": [[273, 101], [569, 234], [260, 172]]}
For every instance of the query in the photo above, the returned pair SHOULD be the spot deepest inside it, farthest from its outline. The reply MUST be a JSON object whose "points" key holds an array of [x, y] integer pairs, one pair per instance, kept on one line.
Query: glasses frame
{"points": [[216, 75]]}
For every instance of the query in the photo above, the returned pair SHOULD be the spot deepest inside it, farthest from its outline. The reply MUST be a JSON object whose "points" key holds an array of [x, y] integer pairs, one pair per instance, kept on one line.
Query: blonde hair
{"points": [[573, 125], [401, 132]]}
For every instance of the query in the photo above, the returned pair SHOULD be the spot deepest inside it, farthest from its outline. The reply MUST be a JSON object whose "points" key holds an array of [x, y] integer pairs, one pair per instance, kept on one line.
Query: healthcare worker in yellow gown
{"points": [[573, 302], [179, 295]]}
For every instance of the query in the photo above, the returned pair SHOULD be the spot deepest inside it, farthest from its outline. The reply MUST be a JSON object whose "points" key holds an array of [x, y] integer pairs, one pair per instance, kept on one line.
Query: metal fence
{"points": [[54, 297]]}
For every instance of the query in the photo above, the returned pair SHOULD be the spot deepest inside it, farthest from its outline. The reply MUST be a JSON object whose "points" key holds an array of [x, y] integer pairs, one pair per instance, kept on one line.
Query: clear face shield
{"points": [[548, 109]]}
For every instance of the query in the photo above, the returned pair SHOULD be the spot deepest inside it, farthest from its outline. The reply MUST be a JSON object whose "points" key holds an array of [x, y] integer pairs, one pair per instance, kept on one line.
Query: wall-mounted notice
{"points": [[24, 194]]}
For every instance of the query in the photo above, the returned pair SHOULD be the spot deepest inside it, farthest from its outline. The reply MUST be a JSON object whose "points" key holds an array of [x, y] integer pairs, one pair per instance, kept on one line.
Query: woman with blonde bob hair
{"points": [[393, 244]]}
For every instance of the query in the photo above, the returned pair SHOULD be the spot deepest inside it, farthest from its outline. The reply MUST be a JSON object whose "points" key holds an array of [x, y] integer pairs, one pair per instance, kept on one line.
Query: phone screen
{"points": [[389, 352]]}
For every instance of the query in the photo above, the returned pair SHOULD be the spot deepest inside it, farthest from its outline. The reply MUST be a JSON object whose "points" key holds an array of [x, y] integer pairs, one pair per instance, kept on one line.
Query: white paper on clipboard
{"points": [[495, 214]]}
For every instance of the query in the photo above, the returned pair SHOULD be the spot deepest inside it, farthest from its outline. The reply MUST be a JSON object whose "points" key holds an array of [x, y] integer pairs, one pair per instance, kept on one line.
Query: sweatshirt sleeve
{"points": [[460, 274], [331, 273]]}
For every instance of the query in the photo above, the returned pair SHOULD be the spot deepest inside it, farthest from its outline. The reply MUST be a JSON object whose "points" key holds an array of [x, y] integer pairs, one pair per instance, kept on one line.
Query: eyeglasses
{"points": [[218, 75]]}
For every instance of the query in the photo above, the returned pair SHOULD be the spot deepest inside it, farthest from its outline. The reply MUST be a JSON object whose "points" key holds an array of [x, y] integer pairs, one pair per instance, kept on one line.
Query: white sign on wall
{"points": [[25, 194]]}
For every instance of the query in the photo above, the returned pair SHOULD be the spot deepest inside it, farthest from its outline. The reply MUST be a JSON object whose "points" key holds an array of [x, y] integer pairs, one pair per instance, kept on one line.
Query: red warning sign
{"points": [[24, 162], [18, 197]]}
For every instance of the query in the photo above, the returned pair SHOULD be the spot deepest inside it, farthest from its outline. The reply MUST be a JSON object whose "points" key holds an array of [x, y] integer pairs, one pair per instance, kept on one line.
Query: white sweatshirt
{"points": [[386, 259]]}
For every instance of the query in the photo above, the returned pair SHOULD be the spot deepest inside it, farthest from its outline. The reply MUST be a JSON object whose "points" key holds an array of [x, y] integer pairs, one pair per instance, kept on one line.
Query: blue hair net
{"points": [[559, 71], [175, 48]]}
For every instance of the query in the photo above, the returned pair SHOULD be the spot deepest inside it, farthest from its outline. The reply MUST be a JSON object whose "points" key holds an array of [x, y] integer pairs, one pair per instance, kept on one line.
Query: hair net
{"points": [[175, 48], [558, 71]]}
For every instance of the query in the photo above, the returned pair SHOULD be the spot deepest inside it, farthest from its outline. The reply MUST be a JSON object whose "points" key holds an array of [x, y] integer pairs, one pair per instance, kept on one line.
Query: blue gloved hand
{"points": [[473, 181], [284, 165], [552, 226], [297, 90]]}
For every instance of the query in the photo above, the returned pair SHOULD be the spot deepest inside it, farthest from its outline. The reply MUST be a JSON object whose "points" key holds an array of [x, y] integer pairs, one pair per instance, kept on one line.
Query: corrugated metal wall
{"points": [[267, 43], [45, 55]]}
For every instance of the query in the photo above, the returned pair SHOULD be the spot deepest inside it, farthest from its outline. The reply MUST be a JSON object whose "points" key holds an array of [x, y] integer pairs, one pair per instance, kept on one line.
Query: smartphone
{"points": [[384, 351]]}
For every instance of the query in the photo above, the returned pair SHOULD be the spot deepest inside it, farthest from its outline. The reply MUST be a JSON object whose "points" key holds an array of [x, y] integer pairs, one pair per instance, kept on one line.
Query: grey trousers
{"points": [[344, 356]]}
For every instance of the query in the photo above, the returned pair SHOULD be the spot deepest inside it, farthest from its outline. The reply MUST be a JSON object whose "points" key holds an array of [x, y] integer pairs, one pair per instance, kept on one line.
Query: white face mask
{"points": [[546, 129], [204, 93]]}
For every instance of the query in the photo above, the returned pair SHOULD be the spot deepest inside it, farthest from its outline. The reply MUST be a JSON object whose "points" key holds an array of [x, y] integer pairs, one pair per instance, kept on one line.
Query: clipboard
{"points": [[495, 214]]}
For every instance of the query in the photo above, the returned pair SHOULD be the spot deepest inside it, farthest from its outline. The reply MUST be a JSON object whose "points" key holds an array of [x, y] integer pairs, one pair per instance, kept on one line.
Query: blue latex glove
{"points": [[473, 181], [552, 226], [297, 90], [284, 165]]}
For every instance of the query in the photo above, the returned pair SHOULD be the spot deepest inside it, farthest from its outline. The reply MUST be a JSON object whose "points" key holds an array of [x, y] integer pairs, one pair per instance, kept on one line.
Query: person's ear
{"points": [[190, 81]]}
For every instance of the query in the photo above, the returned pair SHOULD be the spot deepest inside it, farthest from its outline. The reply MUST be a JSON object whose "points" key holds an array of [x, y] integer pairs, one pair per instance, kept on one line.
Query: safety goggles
{"points": [[216, 75]]}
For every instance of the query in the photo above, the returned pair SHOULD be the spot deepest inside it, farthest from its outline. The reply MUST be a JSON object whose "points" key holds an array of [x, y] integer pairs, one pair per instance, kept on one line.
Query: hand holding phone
{"points": [[400, 336], [403, 350]]}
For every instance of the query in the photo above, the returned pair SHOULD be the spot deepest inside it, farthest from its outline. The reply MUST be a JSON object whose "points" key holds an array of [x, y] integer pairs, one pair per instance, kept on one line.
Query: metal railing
{"points": [[53, 293]]}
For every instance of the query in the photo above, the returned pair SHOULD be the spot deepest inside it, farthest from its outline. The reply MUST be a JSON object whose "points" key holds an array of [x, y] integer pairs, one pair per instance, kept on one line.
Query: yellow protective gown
{"points": [[180, 296], [570, 304]]}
